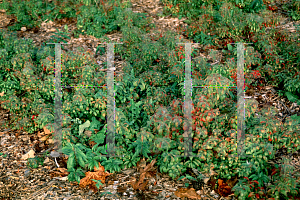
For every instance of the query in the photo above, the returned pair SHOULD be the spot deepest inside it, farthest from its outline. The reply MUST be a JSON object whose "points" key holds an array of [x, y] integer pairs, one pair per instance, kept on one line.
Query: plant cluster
{"points": [[276, 53], [149, 100], [158, 128], [32, 13], [92, 17]]}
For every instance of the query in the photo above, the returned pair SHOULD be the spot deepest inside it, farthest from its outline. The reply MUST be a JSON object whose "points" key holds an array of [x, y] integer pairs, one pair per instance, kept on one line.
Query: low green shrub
{"points": [[293, 9], [149, 102], [277, 50], [92, 18], [32, 13]]}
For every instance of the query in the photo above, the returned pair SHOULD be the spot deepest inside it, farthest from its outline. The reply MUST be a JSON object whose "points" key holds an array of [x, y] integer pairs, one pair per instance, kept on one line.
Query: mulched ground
{"points": [[18, 181]]}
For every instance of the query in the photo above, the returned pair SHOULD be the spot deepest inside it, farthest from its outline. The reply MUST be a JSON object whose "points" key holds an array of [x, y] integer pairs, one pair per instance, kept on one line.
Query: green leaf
{"points": [[66, 27], [103, 193], [83, 126], [98, 182], [77, 178], [67, 150], [80, 161], [291, 97], [94, 125], [142, 86], [70, 163], [181, 177], [99, 138], [284, 192], [190, 177], [229, 46], [79, 153], [187, 21], [296, 118], [102, 149], [138, 104], [91, 163]]}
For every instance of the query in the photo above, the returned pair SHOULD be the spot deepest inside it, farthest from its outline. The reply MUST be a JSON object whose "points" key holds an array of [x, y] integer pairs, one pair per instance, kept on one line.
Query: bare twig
{"points": [[215, 63]]}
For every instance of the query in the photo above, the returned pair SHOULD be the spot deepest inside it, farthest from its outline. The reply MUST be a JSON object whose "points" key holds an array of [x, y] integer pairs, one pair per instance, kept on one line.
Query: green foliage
{"points": [[59, 37], [293, 9], [112, 164], [141, 147], [126, 18], [35, 162], [227, 22], [255, 6], [187, 177], [33, 13], [130, 160], [75, 175], [149, 101], [193, 8], [283, 185], [4, 156], [292, 85], [170, 164], [93, 21], [98, 183]]}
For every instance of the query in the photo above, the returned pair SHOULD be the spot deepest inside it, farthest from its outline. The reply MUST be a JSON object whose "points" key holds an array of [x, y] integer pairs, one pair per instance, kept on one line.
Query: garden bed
{"points": [[144, 181]]}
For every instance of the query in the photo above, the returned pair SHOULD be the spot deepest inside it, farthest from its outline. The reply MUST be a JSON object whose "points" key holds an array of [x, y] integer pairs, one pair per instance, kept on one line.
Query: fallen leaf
{"points": [[50, 141], [88, 133], [189, 193], [64, 171], [47, 167], [141, 164], [30, 154], [44, 138], [231, 182], [223, 188], [99, 174], [47, 132], [40, 134], [212, 181], [47, 160], [146, 172]]}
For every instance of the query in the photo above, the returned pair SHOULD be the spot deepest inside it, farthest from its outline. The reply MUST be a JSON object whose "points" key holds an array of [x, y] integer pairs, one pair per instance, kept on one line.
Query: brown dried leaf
{"points": [[223, 188], [189, 193], [64, 171], [140, 184], [47, 132], [30, 154], [99, 174]]}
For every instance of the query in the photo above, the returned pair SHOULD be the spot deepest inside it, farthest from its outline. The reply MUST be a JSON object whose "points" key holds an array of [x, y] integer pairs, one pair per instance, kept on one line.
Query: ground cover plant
{"points": [[149, 102], [274, 48]]}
